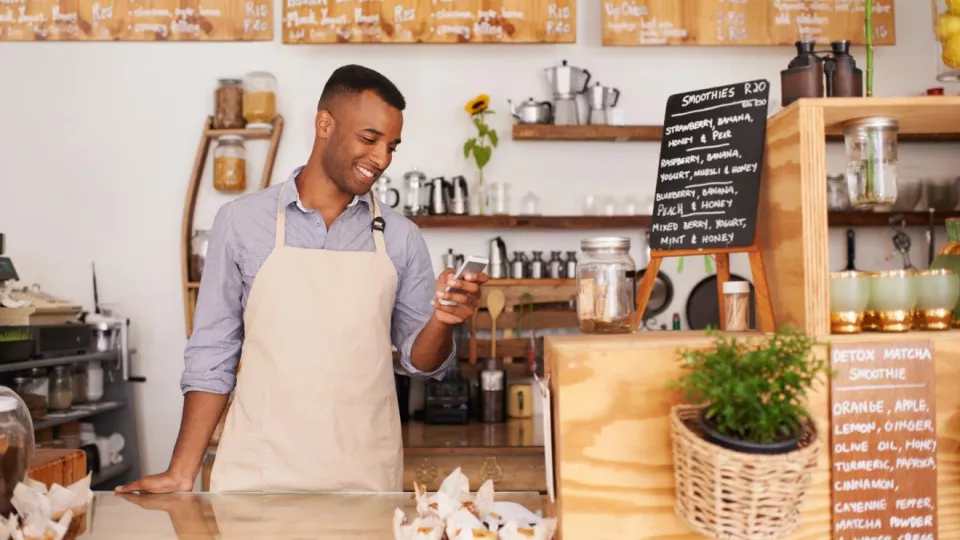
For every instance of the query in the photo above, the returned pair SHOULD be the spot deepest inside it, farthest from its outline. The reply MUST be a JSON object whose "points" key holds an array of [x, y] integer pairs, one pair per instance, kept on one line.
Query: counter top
{"points": [[255, 516], [515, 436]]}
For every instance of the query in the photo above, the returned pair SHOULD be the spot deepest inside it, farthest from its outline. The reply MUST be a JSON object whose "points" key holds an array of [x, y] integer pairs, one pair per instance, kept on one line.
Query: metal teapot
{"points": [[532, 111]]}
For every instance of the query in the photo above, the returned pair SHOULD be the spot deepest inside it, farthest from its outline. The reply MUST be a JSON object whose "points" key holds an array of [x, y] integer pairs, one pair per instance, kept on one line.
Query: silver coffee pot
{"points": [[532, 111], [384, 192], [567, 81]]}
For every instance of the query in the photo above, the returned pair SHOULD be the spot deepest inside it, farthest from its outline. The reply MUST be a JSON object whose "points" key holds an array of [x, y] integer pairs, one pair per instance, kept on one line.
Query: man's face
{"points": [[359, 147]]}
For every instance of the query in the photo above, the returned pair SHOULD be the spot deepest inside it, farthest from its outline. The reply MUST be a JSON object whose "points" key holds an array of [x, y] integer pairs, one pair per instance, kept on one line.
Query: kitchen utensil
{"points": [[460, 198], [532, 111], [555, 266], [597, 104], [851, 250], [416, 197], [518, 265], [495, 303], [537, 265], [452, 260], [612, 97], [931, 238], [567, 81], [384, 192], [662, 295], [498, 259], [441, 192], [702, 309]]}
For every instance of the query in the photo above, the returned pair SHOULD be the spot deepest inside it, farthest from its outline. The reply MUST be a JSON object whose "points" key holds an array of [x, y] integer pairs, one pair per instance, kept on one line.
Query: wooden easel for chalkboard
{"points": [[765, 321], [708, 186]]}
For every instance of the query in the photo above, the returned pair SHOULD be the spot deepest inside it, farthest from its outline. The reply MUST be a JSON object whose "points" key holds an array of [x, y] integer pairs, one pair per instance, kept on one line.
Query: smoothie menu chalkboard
{"points": [[711, 159]]}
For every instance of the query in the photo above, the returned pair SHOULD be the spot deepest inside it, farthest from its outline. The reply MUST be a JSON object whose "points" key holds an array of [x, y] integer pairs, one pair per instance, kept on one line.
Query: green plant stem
{"points": [[481, 198], [871, 171]]}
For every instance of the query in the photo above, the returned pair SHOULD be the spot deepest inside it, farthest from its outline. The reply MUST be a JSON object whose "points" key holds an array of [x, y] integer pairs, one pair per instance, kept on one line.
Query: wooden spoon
{"points": [[495, 303]]}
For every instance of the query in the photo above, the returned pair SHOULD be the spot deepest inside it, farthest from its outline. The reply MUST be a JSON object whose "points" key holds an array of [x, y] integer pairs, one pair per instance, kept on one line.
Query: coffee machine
{"points": [[566, 83]]}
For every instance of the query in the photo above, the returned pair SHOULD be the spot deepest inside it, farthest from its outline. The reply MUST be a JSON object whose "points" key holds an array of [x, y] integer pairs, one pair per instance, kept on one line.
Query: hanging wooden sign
{"points": [[136, 20], [429, 21], [742, 22]]}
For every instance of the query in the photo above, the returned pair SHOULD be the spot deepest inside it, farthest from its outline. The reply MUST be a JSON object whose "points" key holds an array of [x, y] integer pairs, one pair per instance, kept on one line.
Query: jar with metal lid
{"points": [[871, 145], [228, 104], [259, 99], [16, 445], [61, 389], [230, 164], [78, 376], [606, 286], [33, 387]]}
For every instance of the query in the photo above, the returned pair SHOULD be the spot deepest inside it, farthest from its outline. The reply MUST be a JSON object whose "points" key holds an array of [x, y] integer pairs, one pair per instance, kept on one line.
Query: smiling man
{"points": [[307, 283]]}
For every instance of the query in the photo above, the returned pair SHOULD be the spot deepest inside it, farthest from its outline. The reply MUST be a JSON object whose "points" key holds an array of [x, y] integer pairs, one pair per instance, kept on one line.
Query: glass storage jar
{"points": [[61, 389], [606, 286], [259, 99], [16, 445], [33, 387], [871, 145], [230, 164], [946, 28], [78, 374], [949, 258], [228, 104]]}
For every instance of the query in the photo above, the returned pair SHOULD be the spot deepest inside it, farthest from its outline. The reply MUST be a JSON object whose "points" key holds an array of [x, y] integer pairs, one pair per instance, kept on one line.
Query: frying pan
{"points": [[702, 307], [660, 298], [851, 250]]}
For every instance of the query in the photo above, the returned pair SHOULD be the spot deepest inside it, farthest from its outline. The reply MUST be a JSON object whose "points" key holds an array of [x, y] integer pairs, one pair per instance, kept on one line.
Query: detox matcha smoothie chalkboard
{"points": [[711, 159]]}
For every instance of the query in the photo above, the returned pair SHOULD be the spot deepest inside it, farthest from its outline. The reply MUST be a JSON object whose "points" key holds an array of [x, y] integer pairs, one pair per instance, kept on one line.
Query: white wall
{"points": [[98, 140]]}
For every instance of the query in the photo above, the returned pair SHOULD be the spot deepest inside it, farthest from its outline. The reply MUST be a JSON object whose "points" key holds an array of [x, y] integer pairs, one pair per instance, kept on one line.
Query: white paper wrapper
{"points": [[43, 514], [541, 531], [421, 528]]}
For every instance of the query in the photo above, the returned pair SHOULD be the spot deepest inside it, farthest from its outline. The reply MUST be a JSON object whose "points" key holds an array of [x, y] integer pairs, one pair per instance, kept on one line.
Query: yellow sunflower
{"points": [[477, 104]]}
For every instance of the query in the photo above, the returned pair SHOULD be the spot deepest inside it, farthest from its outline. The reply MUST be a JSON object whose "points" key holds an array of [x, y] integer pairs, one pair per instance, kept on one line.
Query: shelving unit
{"points": [[835, 219], [112, 414], [191, 288]]}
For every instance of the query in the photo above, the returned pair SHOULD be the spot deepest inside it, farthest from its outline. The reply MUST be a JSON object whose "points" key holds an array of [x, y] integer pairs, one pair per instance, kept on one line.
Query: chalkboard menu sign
{"points": [[884, 441], [711, 159]]}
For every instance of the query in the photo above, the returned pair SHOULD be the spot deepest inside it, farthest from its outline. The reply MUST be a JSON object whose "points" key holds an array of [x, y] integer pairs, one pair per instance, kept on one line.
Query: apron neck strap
{"points": [[378, 224]]}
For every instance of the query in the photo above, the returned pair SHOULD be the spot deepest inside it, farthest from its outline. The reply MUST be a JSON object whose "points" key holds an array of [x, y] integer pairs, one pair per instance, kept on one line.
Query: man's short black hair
{"points": [[353, 80]]}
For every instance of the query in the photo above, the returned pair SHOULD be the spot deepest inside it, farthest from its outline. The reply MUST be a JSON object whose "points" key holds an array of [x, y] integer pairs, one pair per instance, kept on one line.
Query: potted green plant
{"points": [[744, 446], [753, 395], [480, 147], [16, 344]]}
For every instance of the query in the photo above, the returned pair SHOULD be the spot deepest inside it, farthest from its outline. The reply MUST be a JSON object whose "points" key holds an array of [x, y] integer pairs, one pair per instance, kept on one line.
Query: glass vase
{"points": [[946, 29], [871, 147]]}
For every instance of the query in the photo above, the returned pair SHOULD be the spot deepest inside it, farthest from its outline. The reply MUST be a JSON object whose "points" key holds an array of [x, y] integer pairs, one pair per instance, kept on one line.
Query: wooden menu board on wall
{"points": [[742, 22], [136, 20], [883, 440], [429, 21]]}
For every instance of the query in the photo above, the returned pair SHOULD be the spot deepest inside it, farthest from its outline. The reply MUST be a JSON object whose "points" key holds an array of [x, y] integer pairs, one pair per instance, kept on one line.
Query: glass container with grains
{"points": [[228, 105], [606, 285], [230, 164], [259, 99], [61, 389]]}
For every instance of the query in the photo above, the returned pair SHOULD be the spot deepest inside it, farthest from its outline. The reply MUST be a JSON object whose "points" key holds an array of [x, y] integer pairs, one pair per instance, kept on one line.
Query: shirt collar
{"points": [[292, 196]]}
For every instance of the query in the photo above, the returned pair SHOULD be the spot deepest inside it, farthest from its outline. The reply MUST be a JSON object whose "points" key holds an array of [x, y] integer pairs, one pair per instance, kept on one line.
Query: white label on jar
{"points": [[491, 380]]}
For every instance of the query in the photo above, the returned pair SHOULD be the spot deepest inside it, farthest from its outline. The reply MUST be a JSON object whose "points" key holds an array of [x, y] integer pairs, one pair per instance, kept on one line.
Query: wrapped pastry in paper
{"points": [[464, 525], [453, 492], [31, 498], [541, 531], [421, 528], [40, 528]]}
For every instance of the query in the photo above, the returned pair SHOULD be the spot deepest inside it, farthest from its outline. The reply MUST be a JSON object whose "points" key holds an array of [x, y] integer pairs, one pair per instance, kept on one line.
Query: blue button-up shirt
{"points": [[241, 239]]}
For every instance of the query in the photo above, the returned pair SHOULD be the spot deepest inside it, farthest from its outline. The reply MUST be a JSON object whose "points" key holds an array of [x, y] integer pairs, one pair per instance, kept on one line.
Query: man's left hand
{"points": [[464, 291]]}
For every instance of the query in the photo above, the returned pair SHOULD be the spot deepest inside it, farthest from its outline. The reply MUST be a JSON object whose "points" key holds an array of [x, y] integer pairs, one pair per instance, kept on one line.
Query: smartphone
{"points": [[472, 264]]}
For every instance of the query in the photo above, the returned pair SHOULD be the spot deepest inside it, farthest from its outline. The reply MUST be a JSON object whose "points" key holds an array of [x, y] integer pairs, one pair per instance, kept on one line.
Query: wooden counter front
{"points": [[510, 453], [613, 455]]}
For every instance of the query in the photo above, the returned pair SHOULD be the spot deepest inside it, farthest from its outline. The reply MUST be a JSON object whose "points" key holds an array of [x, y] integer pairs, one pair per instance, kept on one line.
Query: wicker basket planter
{"points": [[731, 495]]}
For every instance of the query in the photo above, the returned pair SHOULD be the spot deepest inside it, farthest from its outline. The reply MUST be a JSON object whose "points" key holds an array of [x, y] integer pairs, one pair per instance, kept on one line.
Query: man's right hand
{"points": [[158, 483], [201, 412]]}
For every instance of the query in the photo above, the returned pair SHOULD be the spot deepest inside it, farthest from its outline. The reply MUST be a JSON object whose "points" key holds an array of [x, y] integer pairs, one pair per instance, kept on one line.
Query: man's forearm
{"points": [[432, 346], [201, 414]]}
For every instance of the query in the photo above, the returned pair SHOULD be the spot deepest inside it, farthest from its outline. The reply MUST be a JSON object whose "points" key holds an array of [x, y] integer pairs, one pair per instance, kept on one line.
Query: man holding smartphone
{"points": [[307, 283]]}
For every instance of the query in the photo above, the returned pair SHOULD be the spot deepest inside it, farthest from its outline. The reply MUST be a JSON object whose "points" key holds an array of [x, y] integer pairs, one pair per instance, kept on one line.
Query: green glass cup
{"points": [[849, 296], [894, 297], [937, 294]]}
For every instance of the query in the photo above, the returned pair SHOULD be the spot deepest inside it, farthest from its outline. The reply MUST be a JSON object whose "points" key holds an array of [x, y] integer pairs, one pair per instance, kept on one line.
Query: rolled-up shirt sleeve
{"points": [[213, 350], [412, 308]]}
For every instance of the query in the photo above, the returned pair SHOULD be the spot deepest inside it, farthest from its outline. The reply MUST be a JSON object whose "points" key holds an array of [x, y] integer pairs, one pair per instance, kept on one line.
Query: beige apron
{"points": [[315, 407]]}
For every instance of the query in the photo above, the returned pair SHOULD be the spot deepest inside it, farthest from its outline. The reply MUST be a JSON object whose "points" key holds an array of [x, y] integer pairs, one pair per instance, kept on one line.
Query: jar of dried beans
{"points": [[259, 99], [230, 164], [228, 105]]}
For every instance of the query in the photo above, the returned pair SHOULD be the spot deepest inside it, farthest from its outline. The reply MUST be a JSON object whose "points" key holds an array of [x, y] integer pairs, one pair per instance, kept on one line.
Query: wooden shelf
{"points": [[261, 133], [527, 282], [550, 132], [836, 219], [77, 412], [882, 219], [531, 222]]}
